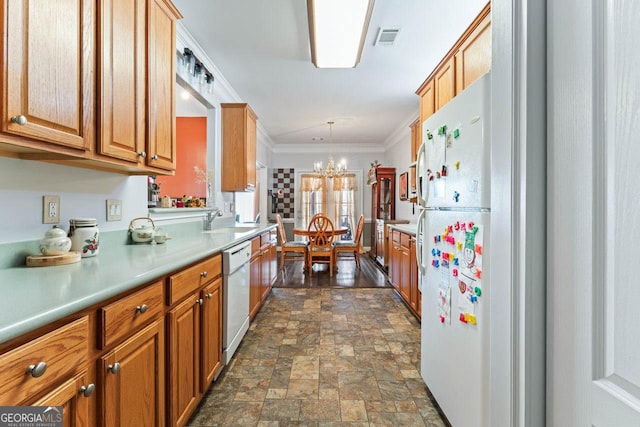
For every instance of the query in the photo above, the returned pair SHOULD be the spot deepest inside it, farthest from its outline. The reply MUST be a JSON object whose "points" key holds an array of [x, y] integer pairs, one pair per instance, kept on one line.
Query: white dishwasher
{"points": [[235, 308]]}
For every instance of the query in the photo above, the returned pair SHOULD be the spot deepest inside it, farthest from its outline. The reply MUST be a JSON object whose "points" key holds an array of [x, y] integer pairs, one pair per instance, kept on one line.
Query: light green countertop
{"points": [[36, 296], [405, 228]]}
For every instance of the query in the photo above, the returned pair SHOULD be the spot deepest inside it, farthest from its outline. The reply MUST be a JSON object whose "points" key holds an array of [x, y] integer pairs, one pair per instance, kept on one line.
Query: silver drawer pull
{"points": [[115, 368], [142, 154], [37, 370], [141, 308], [209, 296], [154, 157], [199, 301], [19, 120], [203, 274], [87, 390]]}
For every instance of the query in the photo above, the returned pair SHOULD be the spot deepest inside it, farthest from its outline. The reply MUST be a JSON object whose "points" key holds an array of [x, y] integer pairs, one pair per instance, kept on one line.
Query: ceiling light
{"points": [[332, 170], [337, 30]]}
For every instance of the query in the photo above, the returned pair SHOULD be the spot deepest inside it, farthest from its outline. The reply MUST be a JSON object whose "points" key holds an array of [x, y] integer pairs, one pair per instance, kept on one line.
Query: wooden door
{"points": [[133, 380], [184, 359], [251, 130], [161, 75], [211, 333], [445, 84], [593, 351], [414, 292], [122, 83], [405, 274], [73, 395], [473, 59], [60, 34], [265, 273], [273, 263]]}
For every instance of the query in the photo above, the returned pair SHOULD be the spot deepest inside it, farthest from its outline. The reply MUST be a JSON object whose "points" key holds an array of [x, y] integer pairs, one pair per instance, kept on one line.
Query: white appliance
{"points": [[235, 307], [453, 172]]}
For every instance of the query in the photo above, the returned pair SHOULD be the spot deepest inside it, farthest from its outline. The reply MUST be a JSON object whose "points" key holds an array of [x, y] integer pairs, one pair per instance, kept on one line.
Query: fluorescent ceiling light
{"points": [[337, 29]]}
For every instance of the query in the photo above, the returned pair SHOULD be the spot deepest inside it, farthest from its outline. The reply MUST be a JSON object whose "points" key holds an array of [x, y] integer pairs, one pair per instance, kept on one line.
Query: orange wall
{"points": [[191, 141]]}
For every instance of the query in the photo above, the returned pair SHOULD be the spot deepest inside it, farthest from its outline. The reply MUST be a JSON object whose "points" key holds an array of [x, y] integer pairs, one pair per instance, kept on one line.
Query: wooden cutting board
{"points": [[51, 260]]}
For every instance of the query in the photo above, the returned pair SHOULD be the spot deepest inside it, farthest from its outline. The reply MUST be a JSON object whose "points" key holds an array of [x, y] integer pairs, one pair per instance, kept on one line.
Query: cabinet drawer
{"points": [[395, 236], [265, 239], [405, 239], [124, 316], [60, 352], [187, 281]]}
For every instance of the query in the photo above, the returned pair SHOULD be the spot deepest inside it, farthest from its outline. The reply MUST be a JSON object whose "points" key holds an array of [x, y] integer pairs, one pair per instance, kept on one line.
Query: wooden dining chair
{"points": [[350, 246], [320, 232], [288, 247]]}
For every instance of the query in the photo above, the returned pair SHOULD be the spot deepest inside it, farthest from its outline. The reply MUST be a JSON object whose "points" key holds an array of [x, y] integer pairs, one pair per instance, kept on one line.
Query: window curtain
{"points": [[344, 193], [334, 197]]}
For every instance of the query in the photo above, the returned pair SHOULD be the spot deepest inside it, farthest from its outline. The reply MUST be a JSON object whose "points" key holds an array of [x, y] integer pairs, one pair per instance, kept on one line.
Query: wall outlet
{"points": [[50, 209], [114, 210]]}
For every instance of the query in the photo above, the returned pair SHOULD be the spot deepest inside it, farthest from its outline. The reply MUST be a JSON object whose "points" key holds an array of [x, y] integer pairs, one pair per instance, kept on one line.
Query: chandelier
{"points": [[332, 170]]}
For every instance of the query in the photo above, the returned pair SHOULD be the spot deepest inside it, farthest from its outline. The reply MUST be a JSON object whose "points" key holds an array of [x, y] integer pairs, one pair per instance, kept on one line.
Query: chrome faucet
{"points": [[211, 215]]}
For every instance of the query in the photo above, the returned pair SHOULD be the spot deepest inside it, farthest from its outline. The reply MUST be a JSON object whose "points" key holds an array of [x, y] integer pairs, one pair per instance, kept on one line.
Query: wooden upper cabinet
{"points": [[137, 74], [161, 57], [427, 101], [238, 147], [122, 83], [48, 67], [445, 84], [473, 59]]}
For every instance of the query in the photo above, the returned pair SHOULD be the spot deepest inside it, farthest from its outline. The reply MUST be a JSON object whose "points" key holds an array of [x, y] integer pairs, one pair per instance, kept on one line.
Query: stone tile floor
{"points": [[324, 357]]}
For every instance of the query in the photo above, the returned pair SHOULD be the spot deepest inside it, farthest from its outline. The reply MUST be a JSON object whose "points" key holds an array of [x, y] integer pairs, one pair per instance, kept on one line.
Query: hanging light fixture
{"points": [[332, 170]]}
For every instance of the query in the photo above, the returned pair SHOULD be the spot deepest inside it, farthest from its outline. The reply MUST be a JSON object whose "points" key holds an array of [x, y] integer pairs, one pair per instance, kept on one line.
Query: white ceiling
{"points": [[262, 49]]}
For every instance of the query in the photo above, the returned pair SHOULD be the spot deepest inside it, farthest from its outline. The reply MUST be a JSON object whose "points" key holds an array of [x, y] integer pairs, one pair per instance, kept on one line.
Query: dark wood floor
{"points": [[347, 276]]}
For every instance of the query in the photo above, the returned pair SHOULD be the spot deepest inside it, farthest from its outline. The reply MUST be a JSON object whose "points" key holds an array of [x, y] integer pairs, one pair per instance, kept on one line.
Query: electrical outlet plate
{"points": [[114, 210], [50, 209]]}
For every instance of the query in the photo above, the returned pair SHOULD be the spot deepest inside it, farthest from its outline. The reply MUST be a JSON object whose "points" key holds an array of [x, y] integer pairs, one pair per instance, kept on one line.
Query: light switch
{"points": [[114, 210]]}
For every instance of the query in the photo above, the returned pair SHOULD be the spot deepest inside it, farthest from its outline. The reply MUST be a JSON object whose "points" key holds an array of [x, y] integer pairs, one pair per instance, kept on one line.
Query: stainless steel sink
{"points": [[232, 230]]}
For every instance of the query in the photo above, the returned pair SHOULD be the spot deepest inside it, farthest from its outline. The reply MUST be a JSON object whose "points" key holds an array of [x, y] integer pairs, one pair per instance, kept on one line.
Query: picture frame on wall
{"points": [[404, 186]]}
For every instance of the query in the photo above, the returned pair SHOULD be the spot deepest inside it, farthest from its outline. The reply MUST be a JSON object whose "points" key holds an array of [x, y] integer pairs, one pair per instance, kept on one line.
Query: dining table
{"points": [[306, 232]]}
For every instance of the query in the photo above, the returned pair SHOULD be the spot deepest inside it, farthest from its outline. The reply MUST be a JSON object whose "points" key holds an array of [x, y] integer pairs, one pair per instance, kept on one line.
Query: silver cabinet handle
{"points": [[200, 301], [115, 368], [142, 154], [209, 296], [37, 370], [203, 274], [141, 308], [154, 157], [87, 390], [20, 120]]}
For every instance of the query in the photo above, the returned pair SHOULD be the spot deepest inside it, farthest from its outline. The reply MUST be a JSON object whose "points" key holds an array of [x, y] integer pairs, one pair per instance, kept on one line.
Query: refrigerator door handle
{"points": [[420, 238], [420, 177]]}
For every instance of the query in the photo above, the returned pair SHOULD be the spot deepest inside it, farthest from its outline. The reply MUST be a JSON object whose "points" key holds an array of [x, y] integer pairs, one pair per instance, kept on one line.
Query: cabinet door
{"points": [[394, 265], [473, 59], [73, 395], [273, 260], [405, 274], [134, 380], [122, 84], [427, 103], [161, 77], [60, 34], [414, 292], [184, 359], [251, 149], [445, 84], [255, 292], [211, 333]]}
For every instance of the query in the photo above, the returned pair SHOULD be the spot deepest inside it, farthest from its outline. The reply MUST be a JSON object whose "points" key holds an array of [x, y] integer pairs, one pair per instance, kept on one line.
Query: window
{"points": [[338, 198]]}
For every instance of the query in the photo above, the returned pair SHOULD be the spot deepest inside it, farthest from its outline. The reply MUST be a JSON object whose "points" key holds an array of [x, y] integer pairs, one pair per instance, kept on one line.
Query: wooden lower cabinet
{"points": [[403, 269], [211, 333], [74, 396], [133, 380], [264, 270], [183, 331]]}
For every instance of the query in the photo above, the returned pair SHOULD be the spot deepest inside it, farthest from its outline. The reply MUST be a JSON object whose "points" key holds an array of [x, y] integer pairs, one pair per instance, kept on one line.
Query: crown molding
{"points": [[400, 132], [309, 148]]}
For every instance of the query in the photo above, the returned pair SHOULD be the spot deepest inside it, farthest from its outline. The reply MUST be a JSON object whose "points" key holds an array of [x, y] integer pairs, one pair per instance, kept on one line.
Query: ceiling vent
{"points": [[386, 36]]}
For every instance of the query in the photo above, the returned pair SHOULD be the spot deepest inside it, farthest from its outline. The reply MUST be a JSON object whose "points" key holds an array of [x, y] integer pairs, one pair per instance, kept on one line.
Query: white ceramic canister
{"points": [[85, 236]]}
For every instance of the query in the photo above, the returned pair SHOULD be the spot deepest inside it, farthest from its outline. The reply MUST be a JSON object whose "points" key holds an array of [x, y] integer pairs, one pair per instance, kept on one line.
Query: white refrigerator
{"points": [[453, 172]]}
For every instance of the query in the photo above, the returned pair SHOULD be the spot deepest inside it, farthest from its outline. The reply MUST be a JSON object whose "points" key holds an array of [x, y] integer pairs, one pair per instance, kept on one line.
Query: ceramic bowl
{"points": [[55, 242]]}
